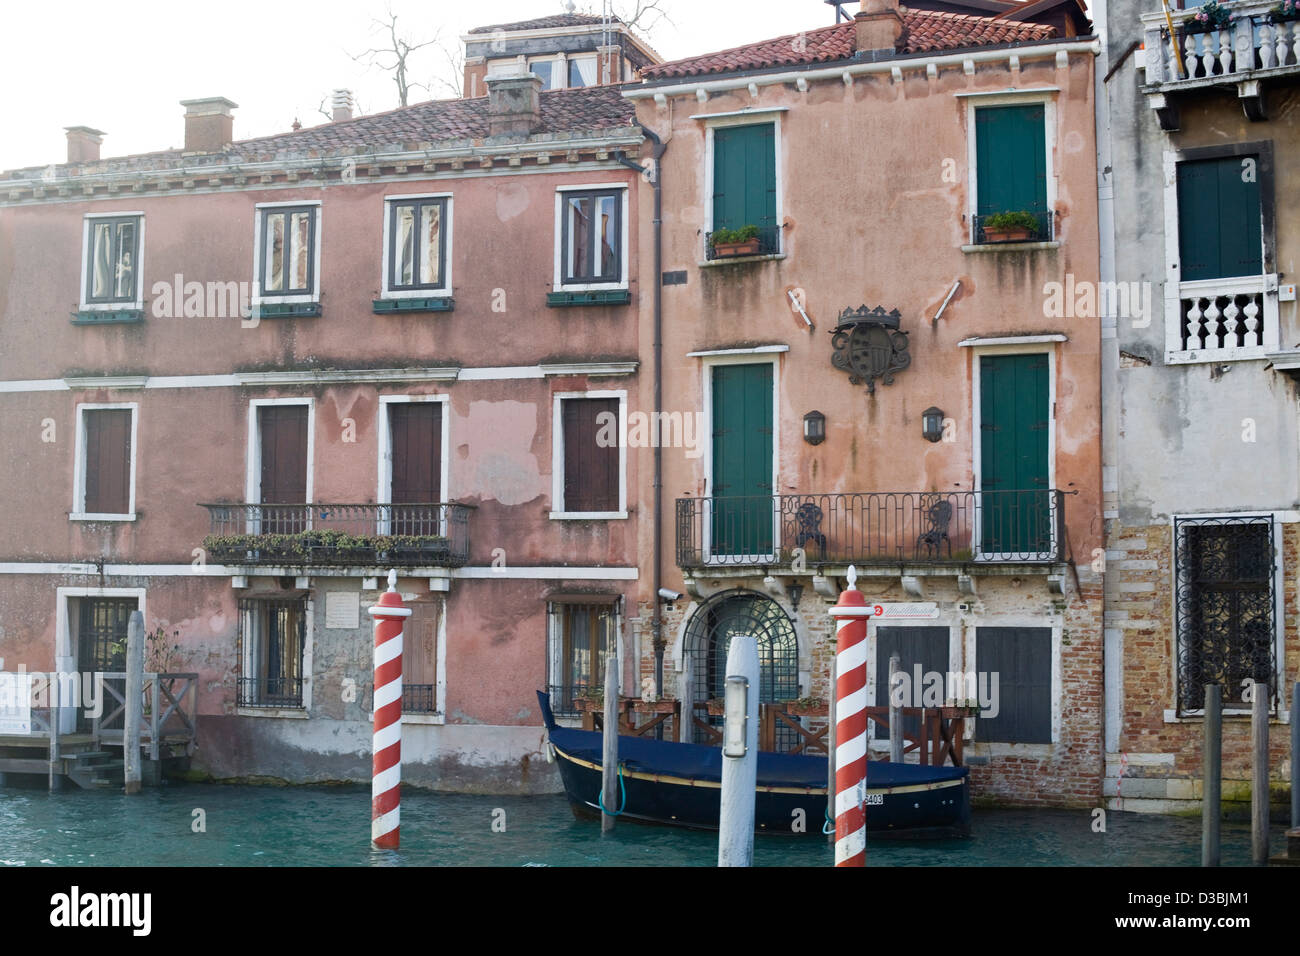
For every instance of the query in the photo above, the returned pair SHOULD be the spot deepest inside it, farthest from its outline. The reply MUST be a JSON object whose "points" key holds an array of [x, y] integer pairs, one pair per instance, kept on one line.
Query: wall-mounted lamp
{"points": [[814, 428], [796, 592], [932, 424]]}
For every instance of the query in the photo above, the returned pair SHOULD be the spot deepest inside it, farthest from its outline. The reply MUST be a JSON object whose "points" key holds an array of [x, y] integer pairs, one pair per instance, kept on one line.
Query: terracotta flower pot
{"points": [[727, 250]]}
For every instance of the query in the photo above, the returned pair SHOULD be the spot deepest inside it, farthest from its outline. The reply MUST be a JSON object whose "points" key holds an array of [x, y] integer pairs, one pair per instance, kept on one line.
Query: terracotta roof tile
{"points": [[923, 31], [543, 23], [563, 111]]}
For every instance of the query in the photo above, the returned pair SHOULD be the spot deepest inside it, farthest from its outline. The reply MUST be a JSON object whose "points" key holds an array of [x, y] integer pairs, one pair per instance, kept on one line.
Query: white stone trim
{"points": [[744, 118], [384, 449], [384, 265], [138, 303], [558, 283], [559, 512], [757, 350], [1028, 97], [253, 455], [259, 212]]}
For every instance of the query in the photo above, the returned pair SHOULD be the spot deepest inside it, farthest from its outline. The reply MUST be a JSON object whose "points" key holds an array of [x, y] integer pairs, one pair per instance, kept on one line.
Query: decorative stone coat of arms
{"points": [[868, 345]]}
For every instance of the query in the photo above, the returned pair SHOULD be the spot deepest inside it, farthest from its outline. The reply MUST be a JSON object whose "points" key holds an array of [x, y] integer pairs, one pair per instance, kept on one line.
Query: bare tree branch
{"points": [[395, 57]]}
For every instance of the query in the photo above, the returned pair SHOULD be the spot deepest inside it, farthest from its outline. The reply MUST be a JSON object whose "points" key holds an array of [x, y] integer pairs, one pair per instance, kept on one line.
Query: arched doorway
{"points": [[708, 637]]}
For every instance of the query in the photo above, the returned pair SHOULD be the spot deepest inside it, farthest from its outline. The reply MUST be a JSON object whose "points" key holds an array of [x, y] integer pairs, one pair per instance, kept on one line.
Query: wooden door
{"points": [[743, 507], [415, 431], [1015, 419], [284, 467]]}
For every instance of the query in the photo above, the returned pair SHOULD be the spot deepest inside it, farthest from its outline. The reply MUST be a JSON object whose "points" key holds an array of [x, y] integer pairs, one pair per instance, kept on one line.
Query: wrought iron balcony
{"points": [[873, 528], [767, 243], [1249, 49], [1043, 230], [339, 535]]}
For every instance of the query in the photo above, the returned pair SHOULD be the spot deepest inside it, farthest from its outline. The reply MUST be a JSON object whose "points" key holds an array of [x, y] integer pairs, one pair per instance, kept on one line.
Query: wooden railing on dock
{"points": [[165, 721]]}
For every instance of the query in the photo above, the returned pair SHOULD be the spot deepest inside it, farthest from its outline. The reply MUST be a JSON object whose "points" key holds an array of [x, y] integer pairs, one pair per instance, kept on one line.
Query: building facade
{"points": [[883, 376], [1201, 451]]}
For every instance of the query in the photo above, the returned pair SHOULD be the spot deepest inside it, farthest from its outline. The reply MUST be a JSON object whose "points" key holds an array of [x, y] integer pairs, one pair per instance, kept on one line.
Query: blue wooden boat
{"points": [[681, 784]]}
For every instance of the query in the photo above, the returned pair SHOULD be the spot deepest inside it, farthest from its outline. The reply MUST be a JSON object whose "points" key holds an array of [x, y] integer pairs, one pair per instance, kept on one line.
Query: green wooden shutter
{"points": [[1015, 501], [1219, 230], [1010, 159], [742, 459], [744, 176]]}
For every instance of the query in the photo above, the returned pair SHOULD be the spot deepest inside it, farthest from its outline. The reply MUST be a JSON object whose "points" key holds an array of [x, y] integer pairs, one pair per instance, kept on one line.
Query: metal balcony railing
{"points": [[270, 691], [768, 243], [369, 535], [891, 528], [1043, 230]]}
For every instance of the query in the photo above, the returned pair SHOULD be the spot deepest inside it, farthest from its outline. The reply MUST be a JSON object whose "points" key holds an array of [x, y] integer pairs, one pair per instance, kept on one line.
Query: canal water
{"points": [[214, 825]]}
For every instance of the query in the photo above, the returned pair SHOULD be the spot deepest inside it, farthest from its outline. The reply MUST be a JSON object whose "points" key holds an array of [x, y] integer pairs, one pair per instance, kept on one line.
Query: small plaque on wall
{"points": [[343, 610]]}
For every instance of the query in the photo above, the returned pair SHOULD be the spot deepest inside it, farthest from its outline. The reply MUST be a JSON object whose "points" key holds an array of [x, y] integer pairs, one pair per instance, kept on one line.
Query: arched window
{"points": [[708, 637]]}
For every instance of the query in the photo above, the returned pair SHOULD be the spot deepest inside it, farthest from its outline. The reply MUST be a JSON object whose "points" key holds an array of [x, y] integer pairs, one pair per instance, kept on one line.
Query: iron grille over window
{"points": [[1223, 580], [582, 636], [272, 636]]}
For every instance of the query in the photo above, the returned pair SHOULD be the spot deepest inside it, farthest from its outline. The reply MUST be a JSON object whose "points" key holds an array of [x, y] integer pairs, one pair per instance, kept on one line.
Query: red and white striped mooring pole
{"points": [[386, 775], [851, 615]]}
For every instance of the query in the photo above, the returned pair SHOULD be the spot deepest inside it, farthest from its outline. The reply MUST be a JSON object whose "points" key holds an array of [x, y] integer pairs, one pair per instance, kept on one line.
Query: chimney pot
{"points": [[879, 26], [83, 143], [341, 106], [209, 124], [514, 105]]}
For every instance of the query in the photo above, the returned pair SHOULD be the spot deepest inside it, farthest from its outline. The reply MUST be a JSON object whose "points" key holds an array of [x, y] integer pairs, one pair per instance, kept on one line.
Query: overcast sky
{"points": [[124, 67]]}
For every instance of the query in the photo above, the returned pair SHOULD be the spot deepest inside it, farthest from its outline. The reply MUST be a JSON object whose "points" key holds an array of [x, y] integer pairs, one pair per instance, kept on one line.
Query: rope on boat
{"points": [[622, 796], [829, 826]]}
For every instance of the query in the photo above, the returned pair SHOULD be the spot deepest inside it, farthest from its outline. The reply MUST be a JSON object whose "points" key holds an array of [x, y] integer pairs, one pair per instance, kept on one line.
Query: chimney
{"points": [[83, 143], [514, 105], [209, 125], [341, 106], [879, 27]]}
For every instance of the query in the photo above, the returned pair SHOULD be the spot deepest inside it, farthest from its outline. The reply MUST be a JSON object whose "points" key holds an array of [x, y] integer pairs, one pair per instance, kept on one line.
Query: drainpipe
{"points": [[656, 180]]}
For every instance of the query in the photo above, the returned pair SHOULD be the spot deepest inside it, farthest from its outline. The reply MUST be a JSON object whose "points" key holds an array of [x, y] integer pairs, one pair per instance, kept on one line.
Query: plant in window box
{"points": [[1284, 11], [660, 705], [716, 706], [1210, 18], [736, 242], [590, 701], [1018, 226]]}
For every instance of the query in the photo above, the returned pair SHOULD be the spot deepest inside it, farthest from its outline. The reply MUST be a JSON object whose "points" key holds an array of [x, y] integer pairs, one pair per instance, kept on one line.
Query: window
{"points": [[420, 659], [1219, 254], [1019, 659], [279, 460], [1219, 218], [272, 641], [589, 456], [112, 262], [548, 70], [744, 183], [1225, 601], [105, 477], [582, 71], [416, 243], [591, 237], [1011, 169], [288, 252], [583, 633]]}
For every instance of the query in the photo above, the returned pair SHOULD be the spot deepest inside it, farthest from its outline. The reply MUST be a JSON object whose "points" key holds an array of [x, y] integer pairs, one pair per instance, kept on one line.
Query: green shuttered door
{"points": [[1219, 218], [1014, 423], [744, 176], [1011, 159], [742, 459]]}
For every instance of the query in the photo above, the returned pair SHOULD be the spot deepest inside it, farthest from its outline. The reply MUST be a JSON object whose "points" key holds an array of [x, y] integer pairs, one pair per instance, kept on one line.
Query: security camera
{"points": [[670, 595]]}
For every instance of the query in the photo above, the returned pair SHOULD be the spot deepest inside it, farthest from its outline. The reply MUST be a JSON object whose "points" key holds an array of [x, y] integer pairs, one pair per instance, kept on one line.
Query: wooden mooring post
{"points": [[739, 754], [895, 711], [1259, 772], [56, 780], [1211, 778], [1295, 756], [609, 792], [134, 703]]}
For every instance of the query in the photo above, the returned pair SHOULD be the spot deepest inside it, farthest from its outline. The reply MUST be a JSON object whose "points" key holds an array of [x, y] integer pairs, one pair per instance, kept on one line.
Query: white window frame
{"points": [[65, 642], [79, 512], [1047, 97], [977, 450], [558, 283], [559, 510], [385, 266], [708, 362], [259, 211], [308, 649], [554, 645], [569, 59], [1279, 519], [755, 117], [384, 448], [253, 472], [86, 253], [559, 69], [1265, 283]]}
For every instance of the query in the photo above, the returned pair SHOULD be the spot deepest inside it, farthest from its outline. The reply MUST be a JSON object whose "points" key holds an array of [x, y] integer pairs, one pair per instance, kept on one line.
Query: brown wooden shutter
{"points": [[284, 466], [590, 471], [416, 431], [108, 461]]}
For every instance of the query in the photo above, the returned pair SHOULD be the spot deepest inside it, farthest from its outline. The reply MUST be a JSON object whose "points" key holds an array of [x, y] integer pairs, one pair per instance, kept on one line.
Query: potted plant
{"points": [[590, 701], [806, 707], [1210, 18], [717, 707], [1018, 226], [1284, 11], [660, 705], [735, 242]]}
